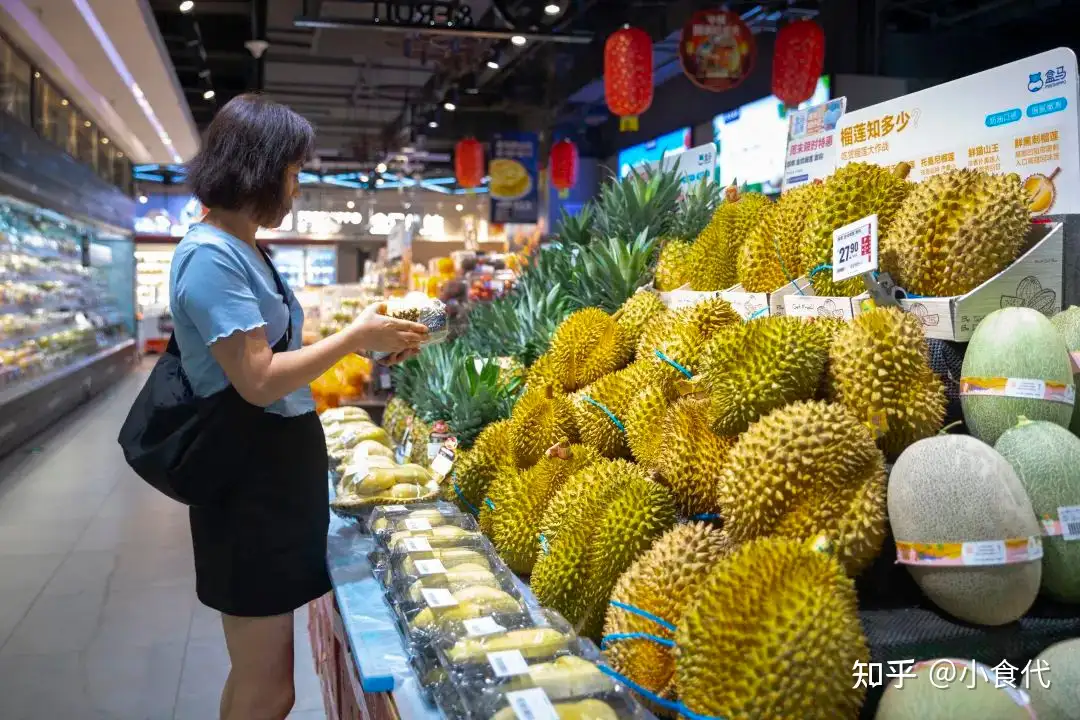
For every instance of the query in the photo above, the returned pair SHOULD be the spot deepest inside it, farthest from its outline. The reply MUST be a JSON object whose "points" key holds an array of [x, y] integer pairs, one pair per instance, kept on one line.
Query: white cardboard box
{"points": [[751, 305], [798, 286]]}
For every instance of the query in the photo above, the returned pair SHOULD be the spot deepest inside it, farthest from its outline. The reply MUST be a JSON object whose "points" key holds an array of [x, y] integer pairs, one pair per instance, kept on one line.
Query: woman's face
{"points": [[290, 191]]}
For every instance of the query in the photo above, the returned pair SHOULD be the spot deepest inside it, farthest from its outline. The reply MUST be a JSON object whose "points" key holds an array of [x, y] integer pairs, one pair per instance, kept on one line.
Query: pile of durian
{"points": [[941, 237]]}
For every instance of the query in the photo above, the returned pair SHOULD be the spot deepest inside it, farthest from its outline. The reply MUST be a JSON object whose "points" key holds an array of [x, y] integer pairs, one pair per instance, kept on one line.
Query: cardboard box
{"points": [[750, 305], [798, 286], [815, 306], [684, 297], [1034, 280]]}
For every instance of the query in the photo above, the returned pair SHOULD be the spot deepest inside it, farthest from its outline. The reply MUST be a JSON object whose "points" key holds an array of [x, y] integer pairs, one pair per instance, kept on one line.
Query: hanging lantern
{"points": [[469, 163], [628, 75], [717, 50], [798, 61], [563, 166]]}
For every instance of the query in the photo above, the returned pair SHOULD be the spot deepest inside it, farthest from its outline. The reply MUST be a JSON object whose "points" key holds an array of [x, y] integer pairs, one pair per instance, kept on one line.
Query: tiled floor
{"points": [[98, 616]]}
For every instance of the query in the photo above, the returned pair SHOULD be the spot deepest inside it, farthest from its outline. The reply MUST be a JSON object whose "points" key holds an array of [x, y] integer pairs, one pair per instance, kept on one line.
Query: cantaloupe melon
{"points": [[1060, 701], [1016, 343], [1046, 458], [931, 696], [1067, 323], [954, 488]]}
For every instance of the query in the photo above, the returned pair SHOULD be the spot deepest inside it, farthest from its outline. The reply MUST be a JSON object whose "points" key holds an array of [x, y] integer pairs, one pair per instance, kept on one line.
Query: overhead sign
{"points": [[811, 146], [717, 50], [1018, 118], [513, 170]]}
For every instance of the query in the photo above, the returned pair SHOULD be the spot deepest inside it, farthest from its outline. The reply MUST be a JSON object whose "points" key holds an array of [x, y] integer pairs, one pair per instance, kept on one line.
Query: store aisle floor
{"points": [[98, 616]]}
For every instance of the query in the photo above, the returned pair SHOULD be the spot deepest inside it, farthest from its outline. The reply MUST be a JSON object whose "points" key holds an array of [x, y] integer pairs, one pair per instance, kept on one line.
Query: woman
{"points": [[261, 552]]}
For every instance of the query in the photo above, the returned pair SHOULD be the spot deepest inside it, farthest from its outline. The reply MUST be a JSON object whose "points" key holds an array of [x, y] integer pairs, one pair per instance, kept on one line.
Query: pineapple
{"points": [[637, 204]]}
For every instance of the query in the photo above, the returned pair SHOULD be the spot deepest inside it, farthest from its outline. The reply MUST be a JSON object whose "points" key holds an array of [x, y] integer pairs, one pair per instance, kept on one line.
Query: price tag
{"points": [[433, 450], [855, 249], [438, 597], [430, 567], [443, 462], [406, 451], [477, 627], [416, 544], [1069, 517], [385, 381], [531, 704], [417, 524], [507, 663]]}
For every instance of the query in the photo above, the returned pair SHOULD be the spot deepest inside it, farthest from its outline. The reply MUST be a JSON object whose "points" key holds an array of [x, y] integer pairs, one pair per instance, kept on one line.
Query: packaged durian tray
{"points": [[418, 308], [381, 481], [358, 454], [439, 524], [412, 561], [437, 684], [534, 703], [342, 437]]}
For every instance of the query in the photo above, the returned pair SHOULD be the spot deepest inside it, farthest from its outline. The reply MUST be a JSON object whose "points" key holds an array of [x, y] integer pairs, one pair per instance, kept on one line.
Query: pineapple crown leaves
{"points": [[638, 203], [577, 229], [608, 273], [695, 209]]}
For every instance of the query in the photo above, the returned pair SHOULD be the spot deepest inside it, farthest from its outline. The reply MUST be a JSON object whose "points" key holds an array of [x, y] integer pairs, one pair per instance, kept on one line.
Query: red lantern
{"points": [[563, 165], [628, 75], [798, 61], [469, 163]]}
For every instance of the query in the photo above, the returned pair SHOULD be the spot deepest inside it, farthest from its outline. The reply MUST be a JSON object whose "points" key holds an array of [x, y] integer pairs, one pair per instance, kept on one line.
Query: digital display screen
{"points": [[655, 150]]}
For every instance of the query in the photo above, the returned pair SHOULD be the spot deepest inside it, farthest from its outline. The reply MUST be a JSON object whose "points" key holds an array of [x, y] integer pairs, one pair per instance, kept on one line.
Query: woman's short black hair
{"points": [[247, 148]]}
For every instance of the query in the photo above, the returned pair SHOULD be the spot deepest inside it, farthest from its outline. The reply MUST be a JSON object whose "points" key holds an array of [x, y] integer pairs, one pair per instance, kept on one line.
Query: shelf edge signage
{"points": [[1018, 118], [514, 178], [811, 146]]}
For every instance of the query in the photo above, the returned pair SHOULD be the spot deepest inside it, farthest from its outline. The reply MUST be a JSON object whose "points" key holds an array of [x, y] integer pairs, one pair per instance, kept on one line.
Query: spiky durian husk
{"points": [[542, 418], [586, 346], [520, 504], [674, 268], [644, 422], [879, 370], [586, 490], [661, 582], [541, 373], [771, 256], [806, 470], [505, 477], [691, 456], [715, 256], [613, 394], [419, 435], [681, 340], [638, 313], [710, 316], [475, 468], [791, 615], [851, 193], [396, 418], [752, 369], [955, 231]]}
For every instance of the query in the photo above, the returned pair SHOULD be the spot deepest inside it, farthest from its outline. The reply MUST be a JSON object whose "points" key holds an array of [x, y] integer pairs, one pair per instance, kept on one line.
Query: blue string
{"points": [[675, 365], [706, 516], [487, 501], [607, 412], [645, 614], [819, 268], [676, 706], [604, 641], [545, 547], [757, 312], [472, 508]]}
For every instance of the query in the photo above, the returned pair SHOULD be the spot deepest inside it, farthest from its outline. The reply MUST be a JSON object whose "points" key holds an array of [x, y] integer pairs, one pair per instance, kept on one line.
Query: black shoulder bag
{"points": [[184, 445]]}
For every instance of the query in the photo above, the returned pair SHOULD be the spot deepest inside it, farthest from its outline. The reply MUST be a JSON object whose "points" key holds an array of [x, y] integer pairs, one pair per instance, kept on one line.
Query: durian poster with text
{"points": [[1018, 118]]}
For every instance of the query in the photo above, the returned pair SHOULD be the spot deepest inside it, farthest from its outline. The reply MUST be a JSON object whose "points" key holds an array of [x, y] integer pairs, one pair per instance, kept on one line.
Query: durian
{"points": [[588, 709], [475, 468], [438, 536], [541, 373], [542, 418], [636, 314], [601, 408], [455, 579], [532, 643], [879, 371], [715, 253], [582, 494], [643, 422], [449, 557], [674, 269], [506, 478], [773, 633], [567, 676], [660, 582], [520, 504], [691, 456], [772, 256], [852, 193], [806, 470], [472, 602], [752, 369], [955, 231], [419, 434], [586, 346]]}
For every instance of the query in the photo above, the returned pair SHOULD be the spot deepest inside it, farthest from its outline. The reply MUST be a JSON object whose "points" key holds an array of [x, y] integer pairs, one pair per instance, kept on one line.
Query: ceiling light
{"points": [[380, 168], [119, 154], [379, 182], [552, 9], [104, 141], [64, 102], [518, 40], [88, 123], [143, 199], [433, 124], [472, 90], [493, 64], [450, 106], [364, 178], [186, 6], [208, 95], [459, 207], [350, 204], [37, 75]]}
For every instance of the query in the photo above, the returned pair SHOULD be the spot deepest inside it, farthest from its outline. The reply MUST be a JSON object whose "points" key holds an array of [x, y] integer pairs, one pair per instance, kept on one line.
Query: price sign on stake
{"points": [[508, 663], [531, 704], [855, 249]]}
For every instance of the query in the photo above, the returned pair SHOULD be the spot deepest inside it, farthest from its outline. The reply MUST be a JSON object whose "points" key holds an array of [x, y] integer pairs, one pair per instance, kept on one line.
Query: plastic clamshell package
{"points": [[441, 525], [524, 699], [422, 309]]}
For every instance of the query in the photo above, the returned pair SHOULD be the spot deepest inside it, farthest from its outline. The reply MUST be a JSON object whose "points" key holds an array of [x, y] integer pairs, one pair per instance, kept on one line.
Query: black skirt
{"points": [[261, 551]]}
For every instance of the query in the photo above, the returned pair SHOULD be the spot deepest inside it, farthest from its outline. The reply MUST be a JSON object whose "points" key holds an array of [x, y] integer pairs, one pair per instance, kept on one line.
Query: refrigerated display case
{"points": [[306, 265]]}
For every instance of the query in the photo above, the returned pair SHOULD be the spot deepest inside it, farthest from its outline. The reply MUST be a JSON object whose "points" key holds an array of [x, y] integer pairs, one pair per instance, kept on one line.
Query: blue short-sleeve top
{"points": [[220, 285]]}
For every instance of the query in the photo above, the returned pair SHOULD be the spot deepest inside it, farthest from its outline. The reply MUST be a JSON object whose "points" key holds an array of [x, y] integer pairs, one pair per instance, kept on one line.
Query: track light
{"points": [[552, 9], [187, 6], [350, 204], [518, 40], [449, 106], [493, 64], [380, 168], [208, 95], [433, 124]]}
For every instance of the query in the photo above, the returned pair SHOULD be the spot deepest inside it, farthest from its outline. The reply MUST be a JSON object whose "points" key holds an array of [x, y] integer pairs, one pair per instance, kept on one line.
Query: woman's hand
{"points": [[374, 331]]}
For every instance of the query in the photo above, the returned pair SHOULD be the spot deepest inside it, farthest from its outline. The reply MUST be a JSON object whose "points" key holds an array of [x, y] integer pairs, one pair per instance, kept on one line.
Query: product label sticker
{"points": [[970, 554], [443, 462], [855, 249], [478, 627], [1029, 388], [1067, 524], [385, 381], [416, 544], [433, 450], [438, 597], [531, 704], [507, 663], [394, 508], [1075, 357], [406, 449], [430, 567], [417, 524]]}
